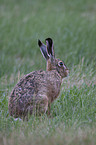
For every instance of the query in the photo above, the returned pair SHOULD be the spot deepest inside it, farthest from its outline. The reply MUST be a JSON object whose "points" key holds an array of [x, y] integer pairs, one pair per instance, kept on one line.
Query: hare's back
{"points": [[29, 84]]}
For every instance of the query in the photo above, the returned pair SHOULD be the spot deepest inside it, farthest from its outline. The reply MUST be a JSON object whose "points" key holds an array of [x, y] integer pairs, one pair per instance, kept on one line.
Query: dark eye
{"points": [[60, 63]]}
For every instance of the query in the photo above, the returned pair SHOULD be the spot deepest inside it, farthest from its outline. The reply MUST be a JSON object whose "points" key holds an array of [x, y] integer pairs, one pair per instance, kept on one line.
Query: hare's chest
{"points": [[53, 90]]}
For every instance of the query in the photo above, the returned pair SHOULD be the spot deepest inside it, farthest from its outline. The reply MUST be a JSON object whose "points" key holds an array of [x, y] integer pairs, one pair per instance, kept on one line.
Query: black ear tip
{"points": [[39, 43], [50, 41]]}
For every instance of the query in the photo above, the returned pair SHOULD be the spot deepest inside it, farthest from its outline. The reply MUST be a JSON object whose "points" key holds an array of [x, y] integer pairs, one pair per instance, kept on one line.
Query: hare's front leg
{"points": [[48, 112]]}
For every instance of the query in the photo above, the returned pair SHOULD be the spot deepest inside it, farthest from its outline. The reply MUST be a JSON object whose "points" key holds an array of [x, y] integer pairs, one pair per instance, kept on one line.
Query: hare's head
{"points": [[52, 63]]}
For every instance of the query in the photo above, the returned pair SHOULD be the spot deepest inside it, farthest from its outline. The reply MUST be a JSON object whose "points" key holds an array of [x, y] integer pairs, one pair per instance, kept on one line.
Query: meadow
{"points": [[72, 26]]}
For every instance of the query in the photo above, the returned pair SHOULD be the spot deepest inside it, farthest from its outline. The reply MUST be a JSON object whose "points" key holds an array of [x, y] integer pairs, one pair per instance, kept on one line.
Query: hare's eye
{"points": [[60, 63]]}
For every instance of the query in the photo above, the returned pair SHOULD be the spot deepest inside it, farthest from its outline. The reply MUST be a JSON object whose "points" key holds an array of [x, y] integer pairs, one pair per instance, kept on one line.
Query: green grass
{"points": [[72, 25]]}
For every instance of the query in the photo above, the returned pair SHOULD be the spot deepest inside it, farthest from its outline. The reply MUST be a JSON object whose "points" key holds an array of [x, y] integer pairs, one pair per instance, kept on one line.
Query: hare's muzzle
{"points": [[67, 72]]}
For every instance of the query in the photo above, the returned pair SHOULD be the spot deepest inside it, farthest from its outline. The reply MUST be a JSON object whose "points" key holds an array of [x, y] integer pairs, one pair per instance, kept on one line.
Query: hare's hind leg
{"points": [[41, 104], [38, 106]]}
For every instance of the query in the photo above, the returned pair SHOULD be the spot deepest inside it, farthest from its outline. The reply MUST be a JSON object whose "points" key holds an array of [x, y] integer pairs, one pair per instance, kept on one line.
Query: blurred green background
{"points": [[71, 25]]}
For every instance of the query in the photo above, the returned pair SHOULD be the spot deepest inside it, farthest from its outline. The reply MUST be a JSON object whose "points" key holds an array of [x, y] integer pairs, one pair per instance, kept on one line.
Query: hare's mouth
{"points": [[66, 72]]}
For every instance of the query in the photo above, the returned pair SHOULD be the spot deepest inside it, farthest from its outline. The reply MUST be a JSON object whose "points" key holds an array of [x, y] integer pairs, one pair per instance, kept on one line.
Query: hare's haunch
{"points": [[38, 89]]}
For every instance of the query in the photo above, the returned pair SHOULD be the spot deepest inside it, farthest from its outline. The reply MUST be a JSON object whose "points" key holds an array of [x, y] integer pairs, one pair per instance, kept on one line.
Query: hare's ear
{"points": [[50, 49], [43, 50]]}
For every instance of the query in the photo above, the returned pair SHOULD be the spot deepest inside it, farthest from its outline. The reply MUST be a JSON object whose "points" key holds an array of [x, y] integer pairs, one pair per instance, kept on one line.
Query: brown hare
{"points": [[34, 93]]}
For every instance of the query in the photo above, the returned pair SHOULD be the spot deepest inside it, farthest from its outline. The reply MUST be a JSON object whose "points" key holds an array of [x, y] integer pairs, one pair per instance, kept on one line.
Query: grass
{"points": [[72, 25]]}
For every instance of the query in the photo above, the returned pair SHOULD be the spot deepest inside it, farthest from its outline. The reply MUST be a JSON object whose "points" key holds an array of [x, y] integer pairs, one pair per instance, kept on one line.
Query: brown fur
{"points": [[37, 90]]}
